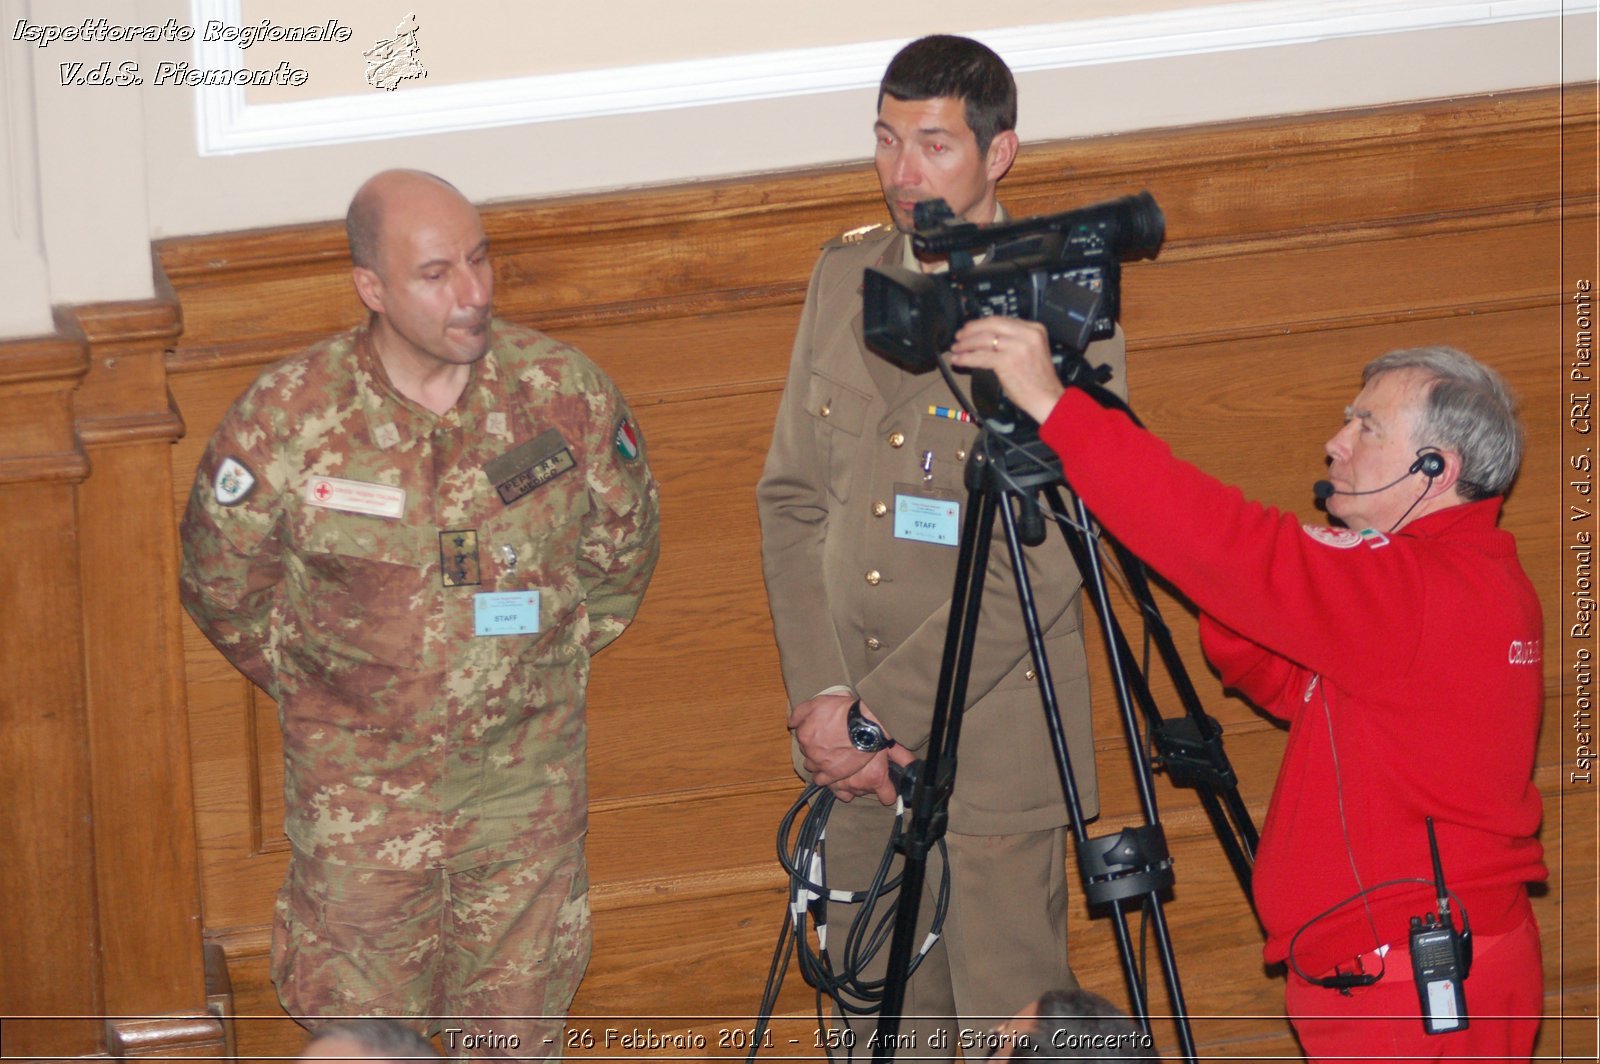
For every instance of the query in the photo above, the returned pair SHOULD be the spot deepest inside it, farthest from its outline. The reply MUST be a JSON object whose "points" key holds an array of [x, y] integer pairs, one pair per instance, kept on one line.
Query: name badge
{"points": [[505, 613], [356, 497], [927, 520], [529, 466]]}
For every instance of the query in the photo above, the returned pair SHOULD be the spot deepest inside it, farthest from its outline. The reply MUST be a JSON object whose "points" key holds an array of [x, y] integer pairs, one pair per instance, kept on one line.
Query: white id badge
{"points": [[927, 518], [505, 613]]}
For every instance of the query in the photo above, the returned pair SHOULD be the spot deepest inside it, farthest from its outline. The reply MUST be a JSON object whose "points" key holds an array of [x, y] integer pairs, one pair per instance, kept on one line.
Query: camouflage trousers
{"points": [[488, 958]]}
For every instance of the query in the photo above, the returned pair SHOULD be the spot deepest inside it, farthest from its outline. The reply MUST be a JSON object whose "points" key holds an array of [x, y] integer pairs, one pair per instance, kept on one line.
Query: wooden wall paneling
{"points": [[1298, 249], [676, 252], [149, 892], [699, 662], [1570, 1029], [50, 987]]}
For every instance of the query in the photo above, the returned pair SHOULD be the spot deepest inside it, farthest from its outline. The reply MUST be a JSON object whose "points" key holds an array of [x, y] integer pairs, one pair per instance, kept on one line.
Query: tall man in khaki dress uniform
{"points": [[860, 596], [414, 536]]}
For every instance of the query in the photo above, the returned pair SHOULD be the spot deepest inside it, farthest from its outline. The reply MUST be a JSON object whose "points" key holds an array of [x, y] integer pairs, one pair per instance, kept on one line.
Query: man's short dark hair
{"points": [[958, 67], [379, 1034]]}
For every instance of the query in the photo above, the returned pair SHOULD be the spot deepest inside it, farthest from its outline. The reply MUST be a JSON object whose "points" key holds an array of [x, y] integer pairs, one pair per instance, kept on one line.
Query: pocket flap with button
{"points": [[839, 412]]}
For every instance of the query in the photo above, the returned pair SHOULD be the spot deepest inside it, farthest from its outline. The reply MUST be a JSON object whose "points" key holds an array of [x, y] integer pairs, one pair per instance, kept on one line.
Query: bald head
{"points": [[422, 268], [393, 193]]}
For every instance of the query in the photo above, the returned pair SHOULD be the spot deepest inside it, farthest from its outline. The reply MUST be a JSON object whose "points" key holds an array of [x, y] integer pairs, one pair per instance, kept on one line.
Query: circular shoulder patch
{"points": [[1333, 537]]}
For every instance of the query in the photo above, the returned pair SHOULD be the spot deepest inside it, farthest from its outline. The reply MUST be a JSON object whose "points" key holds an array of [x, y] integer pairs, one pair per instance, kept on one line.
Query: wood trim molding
{"points": [[123, 397], [197, 1034], [37, 378], [41, 358]]}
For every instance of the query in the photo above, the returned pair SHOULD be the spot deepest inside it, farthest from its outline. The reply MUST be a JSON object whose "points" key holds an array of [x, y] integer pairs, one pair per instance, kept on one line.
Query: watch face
{"points": [[865, 735]]}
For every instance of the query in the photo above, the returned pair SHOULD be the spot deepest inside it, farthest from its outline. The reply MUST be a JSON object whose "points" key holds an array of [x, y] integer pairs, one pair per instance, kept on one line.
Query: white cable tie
{"points": [[841, 895], [822, 938], [927, 944]]}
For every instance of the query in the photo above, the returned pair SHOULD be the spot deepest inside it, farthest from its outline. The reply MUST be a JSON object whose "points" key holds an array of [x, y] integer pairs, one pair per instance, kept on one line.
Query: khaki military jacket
{"points": [[339, 547], [852, 603]]}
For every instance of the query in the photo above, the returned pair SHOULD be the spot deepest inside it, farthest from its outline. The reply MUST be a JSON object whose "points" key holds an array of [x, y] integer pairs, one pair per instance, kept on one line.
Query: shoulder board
{"points": [[859, 235]]}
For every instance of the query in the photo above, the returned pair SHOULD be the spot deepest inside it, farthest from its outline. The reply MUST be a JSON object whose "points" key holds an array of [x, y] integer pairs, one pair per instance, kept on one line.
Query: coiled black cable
{"points": [[835, 967]]}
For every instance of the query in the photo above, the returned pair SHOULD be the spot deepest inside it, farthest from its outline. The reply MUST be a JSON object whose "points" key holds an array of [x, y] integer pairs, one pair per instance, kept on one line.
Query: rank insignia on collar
{"points": [[858, 235], [233, 482], [627, 440]]}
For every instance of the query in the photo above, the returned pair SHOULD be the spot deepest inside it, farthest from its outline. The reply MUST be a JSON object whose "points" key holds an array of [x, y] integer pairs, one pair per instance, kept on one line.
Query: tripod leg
{"points": [[1191, 746], [1120, 885], [1041, 666], [1047, 696], [930, 794]]}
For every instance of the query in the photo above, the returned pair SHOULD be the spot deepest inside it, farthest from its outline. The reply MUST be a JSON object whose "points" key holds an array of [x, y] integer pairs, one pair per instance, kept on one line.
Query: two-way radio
{"points": [[1441, 957]]}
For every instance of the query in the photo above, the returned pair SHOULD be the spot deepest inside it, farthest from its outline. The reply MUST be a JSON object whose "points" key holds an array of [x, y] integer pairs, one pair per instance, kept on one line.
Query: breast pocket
{"points": [[359, 587], [838, 411], [536, 544]]}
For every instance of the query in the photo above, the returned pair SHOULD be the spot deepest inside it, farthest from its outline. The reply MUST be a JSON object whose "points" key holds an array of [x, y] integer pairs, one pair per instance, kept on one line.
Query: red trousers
{"points": [[1505, 997]]}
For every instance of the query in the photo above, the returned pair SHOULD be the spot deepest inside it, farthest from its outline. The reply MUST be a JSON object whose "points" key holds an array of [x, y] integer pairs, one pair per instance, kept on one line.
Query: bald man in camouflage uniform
{"points": [[414, 536]]}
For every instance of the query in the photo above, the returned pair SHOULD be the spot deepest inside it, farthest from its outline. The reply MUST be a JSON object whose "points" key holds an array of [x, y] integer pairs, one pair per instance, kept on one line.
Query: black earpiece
{"points": [[1430, 464]]}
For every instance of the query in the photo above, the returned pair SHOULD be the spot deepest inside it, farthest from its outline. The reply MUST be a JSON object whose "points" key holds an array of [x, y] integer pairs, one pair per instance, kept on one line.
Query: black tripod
{"points": [[1133, 864]]}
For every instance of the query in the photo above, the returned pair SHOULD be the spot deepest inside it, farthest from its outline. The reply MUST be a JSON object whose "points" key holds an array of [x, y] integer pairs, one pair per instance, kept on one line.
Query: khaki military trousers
{"points": [[488, 958]]}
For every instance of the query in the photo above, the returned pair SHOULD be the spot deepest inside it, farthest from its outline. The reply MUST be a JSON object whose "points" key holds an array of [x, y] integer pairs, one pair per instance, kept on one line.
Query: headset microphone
{"points": [[1430, 464]]}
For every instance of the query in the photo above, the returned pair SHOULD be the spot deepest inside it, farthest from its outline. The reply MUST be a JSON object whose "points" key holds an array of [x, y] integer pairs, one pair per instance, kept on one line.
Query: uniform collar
{"points": [[393, 419], [1467, 517]]}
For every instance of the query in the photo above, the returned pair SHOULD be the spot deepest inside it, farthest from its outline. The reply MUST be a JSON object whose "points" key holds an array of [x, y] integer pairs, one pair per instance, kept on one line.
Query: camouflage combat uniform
{"points": [[338, 547]]}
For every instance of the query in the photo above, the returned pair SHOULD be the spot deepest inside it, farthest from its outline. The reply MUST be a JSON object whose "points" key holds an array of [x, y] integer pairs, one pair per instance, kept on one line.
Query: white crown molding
{"points": [[228, 125]]}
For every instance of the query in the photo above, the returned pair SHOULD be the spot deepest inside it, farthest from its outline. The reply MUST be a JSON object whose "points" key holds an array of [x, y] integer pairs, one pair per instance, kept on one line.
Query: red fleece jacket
{"points": [[1418, 653]]}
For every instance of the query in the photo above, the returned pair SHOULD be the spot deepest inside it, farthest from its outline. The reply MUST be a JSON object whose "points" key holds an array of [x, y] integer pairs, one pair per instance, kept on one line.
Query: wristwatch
{"points": [[866, 735]]}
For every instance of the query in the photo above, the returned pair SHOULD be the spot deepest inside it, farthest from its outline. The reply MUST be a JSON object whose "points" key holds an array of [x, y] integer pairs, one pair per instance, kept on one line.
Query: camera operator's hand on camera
{"points": [[820, 726], [1019, 353]]}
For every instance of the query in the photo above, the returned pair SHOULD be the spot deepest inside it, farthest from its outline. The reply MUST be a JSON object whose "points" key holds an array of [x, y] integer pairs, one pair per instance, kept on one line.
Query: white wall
{"points": [[522, 100]]}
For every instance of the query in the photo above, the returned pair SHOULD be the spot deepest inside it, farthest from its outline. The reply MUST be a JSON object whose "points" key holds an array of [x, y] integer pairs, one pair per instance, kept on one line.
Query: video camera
{"points": [[1061, 270]]}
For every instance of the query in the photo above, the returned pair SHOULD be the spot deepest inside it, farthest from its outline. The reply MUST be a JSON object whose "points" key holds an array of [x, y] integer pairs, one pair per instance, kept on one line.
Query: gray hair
{"points": [[1079, 1023], [1468, 410], [378, 1034]]}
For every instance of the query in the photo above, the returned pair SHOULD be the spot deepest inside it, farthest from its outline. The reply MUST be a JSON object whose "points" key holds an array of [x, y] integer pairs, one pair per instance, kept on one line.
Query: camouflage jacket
{"points": [[340, 547]]}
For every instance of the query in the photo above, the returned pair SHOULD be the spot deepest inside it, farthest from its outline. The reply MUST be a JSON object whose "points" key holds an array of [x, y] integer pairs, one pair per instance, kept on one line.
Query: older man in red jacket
{"points": [[1403, 650]]}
